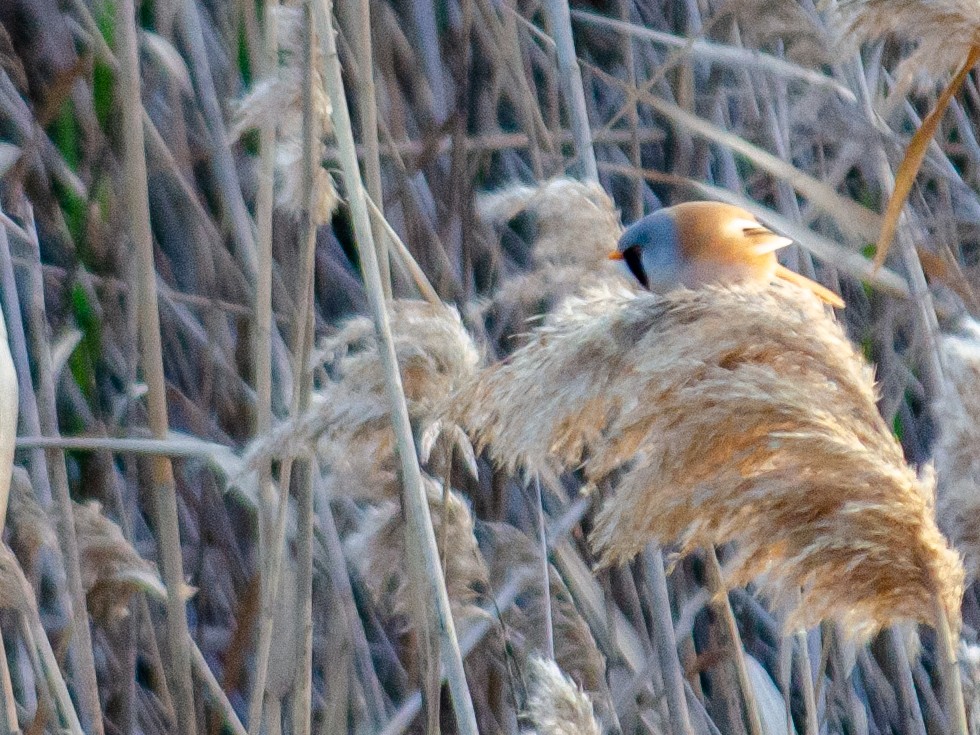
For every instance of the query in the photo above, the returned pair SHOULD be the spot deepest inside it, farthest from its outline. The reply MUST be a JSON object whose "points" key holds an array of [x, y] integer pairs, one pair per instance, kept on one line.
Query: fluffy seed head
{"points": [[944, 29], [556, 705], [728, 414], [957, 464]]}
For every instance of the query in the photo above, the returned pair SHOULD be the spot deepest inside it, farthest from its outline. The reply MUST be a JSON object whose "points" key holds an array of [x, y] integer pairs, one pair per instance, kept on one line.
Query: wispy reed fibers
{"points": [[556, 705], [957, 412], [348, 423], [569, 227], [731, 414]]}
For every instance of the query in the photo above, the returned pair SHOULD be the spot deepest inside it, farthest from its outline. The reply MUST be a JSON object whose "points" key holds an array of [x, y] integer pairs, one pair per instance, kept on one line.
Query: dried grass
{"points": [[957, 411], [15, 591], [508, 552], [377, 548], [945, 30], [278, 101], [556, 705], [732, 414]]}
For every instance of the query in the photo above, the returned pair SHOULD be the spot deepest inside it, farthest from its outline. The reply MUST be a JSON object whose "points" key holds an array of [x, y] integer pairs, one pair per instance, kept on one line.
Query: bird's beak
{"points": [[615, 255]]}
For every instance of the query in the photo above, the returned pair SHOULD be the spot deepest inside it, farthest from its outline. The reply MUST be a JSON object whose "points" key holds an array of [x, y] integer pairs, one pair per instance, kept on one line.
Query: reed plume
{"points": [[278, 101], [556, 705], [377, 548], [348, 423], [728, 414], [945, 30], [112, 570], [957, 412], [570, 227]]}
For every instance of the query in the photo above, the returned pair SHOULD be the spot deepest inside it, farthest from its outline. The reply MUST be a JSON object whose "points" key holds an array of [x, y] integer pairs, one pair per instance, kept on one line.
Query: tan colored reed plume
{"points": [[279, 101], [572, 227], [945, 30], [377, 547], [112, 570], [957, 412], [348, 424], [728, 414], [556, 705]]}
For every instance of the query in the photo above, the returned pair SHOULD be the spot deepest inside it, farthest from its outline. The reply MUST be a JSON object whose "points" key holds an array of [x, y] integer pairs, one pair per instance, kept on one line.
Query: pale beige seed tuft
{"points": [[348, 425], [957, 413], [112, 570], [945, 30], [556, 705], [573, 226], [377, 548], [727, 414], [15, 591], [278, 101]]}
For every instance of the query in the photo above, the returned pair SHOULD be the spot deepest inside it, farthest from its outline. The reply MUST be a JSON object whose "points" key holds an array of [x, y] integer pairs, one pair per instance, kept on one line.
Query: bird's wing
{"points": [[822, 293]]}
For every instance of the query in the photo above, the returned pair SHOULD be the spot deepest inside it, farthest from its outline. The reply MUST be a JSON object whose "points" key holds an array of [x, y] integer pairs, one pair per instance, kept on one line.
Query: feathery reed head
{"points": [[572, 227], [729, 414], [944, 29], [378, 549], [278, 101], [348, 423], [556, 705], [957, 412], [112, 570]]}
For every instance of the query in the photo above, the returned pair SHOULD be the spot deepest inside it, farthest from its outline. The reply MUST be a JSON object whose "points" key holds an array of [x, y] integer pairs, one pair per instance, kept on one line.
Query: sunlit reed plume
{"points": [[728, 414]]}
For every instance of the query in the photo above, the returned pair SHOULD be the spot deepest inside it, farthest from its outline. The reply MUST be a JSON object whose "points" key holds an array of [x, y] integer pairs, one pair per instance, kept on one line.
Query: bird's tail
{"points": [[822, 293]]}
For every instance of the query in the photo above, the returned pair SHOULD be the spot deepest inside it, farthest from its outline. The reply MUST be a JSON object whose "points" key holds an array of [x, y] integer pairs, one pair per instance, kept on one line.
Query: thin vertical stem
{"points": [[716, 587], [164, 490], [303, 699], [949, 671], [665, 642], [81, 645], [302, 387], [418, 522], [571, 79], [367, 108], [549, 626], [263, 346]]}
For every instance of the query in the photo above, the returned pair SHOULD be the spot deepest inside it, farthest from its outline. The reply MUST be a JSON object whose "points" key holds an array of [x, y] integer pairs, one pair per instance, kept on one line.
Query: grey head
{"points": [[651, 250]]}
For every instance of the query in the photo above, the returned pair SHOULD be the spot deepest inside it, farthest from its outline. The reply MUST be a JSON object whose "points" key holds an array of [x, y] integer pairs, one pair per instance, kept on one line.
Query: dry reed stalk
{"points": [[418, 528], [571, 81], [948, 37], [163, 490], [9, 400], [957, 411], [556, 705], [733, 415]]}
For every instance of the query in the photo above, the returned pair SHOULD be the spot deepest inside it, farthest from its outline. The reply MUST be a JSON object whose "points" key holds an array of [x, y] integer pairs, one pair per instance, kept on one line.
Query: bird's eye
{"points": [[632, 258]]}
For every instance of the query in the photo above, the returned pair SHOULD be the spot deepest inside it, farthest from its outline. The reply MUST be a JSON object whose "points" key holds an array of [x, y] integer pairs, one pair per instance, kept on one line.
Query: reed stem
{"points": [[418, 526], [163, 490]]}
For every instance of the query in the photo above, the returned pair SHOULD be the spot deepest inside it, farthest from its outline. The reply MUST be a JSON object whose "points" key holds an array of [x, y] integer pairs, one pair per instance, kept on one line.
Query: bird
{"points": [[694, 244]]}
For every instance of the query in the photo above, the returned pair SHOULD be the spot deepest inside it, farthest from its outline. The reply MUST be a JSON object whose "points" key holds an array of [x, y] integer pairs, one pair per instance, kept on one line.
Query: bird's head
{"points": [[696, 243]]}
